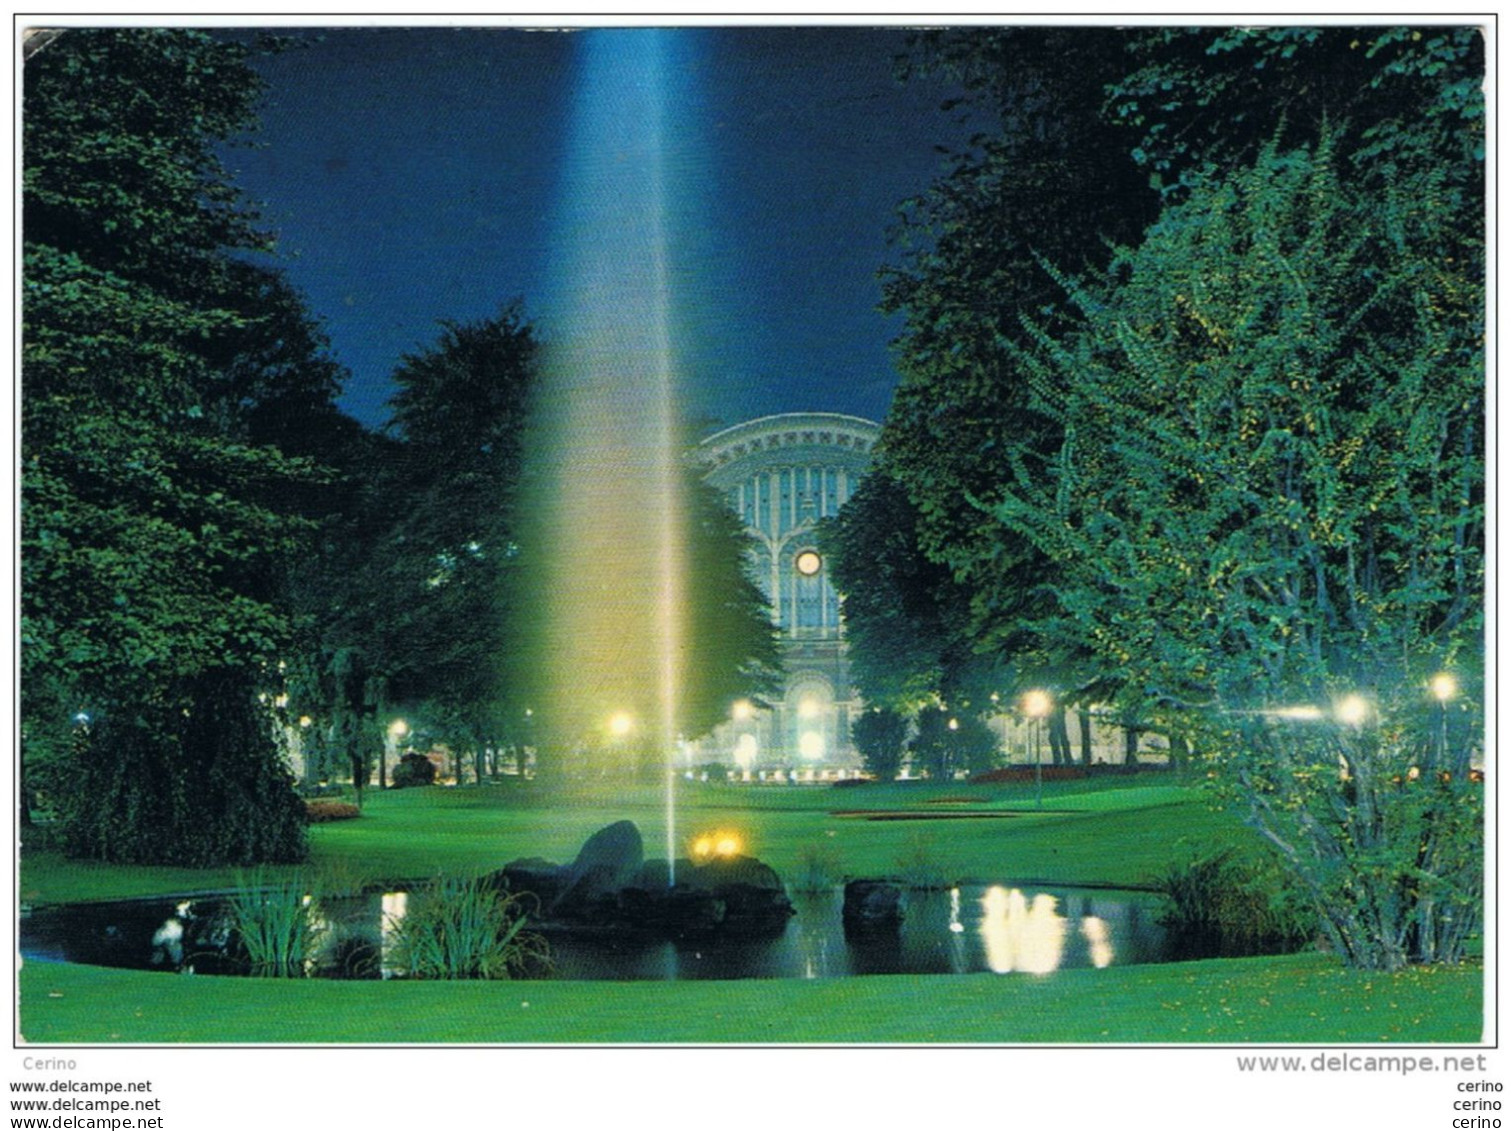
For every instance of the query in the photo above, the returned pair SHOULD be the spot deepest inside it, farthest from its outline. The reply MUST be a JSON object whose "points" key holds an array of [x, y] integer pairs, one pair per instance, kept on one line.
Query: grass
{"points": [[1117, 834], [1299, 998], [1112, 832]]}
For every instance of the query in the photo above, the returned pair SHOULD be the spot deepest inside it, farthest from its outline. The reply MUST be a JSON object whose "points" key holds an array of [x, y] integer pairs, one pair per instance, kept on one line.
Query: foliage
{"points": [[960, 425], [880, 736], [819, 869], [277, 924], [946, 743], [906, 617], [158, 508], [413, 770], [1270, 494], [191, 778], [1220, 905], [467, 929], [919, 866], [321, 810], [1200, 100]]}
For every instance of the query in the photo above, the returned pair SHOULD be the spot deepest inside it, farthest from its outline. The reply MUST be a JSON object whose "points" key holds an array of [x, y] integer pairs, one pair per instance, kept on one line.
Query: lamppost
{"points": [[1037, 704], [1444, 687]]}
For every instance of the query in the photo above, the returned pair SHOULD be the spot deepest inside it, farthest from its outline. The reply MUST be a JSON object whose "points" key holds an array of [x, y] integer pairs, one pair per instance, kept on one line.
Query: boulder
{"points": [[872, 905], [541, 878], [722, 871], [609, 861]]}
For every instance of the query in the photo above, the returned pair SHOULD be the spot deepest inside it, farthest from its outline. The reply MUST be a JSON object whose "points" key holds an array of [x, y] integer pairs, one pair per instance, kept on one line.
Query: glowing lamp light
{"points": [[397, 729], [746, 749], [1036, 704], [621, 724], [722, 844], [808, 708], [305, 721], [1444, 687], [811, 745], [1352, 710], [743, 710], [954, 724], [808, 563]]}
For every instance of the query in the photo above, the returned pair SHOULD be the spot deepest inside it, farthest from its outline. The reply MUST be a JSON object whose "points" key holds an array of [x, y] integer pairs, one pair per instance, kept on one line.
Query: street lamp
{"points": [[1037, 704], [1352, 710], [1444, 687], [620, 724]]}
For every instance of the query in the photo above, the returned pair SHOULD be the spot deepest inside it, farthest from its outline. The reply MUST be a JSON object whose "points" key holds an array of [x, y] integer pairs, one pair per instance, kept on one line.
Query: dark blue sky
{"points": [[411, 175]]}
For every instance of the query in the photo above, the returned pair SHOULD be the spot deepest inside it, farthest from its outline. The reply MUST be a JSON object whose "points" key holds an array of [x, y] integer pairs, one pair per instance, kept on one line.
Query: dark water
{"points": [[999, 928]]}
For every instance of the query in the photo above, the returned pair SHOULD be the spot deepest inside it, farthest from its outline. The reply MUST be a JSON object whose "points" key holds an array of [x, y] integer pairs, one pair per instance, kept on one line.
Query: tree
{"points": [[880, 734], [1043, 179], [945, 743], [156, 518], [1267, 515]]}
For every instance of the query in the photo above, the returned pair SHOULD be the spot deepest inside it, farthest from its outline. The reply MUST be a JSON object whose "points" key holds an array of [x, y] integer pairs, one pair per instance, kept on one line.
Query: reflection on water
{"points": [[1019, 934], [393, 906], [1097, 940], [964, 930]]}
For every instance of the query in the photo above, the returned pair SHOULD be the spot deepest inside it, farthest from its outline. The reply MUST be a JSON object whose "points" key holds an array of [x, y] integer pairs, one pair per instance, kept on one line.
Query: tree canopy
{"points": [[1234, 467], [158, 507]]}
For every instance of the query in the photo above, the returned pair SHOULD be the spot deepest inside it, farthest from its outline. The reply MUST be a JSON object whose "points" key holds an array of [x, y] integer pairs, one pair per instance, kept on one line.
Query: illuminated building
{"points": [[782, 475]]}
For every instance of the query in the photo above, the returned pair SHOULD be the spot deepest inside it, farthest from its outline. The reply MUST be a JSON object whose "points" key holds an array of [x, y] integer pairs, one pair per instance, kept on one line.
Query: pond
{"points": [[1000, 928]]}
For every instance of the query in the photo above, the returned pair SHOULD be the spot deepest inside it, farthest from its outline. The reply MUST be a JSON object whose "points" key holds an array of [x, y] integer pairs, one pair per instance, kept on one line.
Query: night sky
{"points": [[413, 176]]}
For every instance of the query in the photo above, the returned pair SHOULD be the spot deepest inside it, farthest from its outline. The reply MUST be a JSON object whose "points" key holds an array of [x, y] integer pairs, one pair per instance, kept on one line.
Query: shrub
{"points": [[466, 929], [919, 868], [412, 770], [278, 925], [1220, 905], [320, 812], [818, 869]]}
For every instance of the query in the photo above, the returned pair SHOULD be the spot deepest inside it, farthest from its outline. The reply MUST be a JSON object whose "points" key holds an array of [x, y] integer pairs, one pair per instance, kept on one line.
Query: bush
{"points": [[919, 868], [818, 869], [320, 812], [412, 770], [466, 929], [1222, 906]]}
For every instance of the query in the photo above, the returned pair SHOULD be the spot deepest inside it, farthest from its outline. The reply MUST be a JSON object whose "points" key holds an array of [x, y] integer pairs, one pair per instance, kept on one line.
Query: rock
{"points": [[617, 848], [739, 895], [721, 871], [673, 912], [872, 905], [609, 861], [542, 878]]}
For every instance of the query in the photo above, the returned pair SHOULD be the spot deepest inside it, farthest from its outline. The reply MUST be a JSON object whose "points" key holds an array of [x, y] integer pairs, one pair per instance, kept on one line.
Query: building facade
{"points": [[782, 475]]}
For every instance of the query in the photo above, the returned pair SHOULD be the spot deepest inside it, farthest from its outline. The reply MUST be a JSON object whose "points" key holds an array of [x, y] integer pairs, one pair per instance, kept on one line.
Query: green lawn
{"points": [[1109, 832], [1307, 999]]}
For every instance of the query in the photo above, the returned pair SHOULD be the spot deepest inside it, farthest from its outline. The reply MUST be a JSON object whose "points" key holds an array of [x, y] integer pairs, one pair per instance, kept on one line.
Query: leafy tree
{"points": [[1041, 179], [946, 742], [1203, 101], [1269, 500], [157, 513], [905, 617], [880, 736]]}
